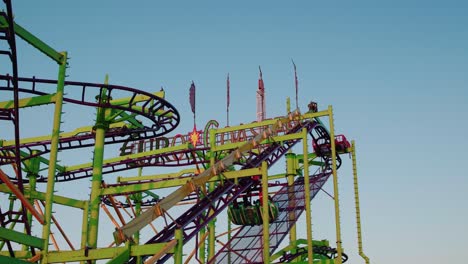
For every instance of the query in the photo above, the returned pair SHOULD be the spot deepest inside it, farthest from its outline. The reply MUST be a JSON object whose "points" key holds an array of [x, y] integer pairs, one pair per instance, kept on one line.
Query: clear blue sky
{"points": [[396, 73]]}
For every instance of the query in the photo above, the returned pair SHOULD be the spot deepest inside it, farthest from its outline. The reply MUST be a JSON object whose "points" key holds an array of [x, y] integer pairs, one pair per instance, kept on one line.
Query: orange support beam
{"points": [[20, 196]]}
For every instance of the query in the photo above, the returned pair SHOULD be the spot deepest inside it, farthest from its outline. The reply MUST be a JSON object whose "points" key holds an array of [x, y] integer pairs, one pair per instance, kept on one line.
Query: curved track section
{"points": [[163, 116]]}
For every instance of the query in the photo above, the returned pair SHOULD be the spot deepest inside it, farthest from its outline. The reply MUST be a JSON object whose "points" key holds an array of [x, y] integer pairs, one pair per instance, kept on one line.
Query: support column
{"points": [[211, 187], [266, 214], [32, 168], [305, 150], [290, 174], [335, 187], [55, 137], [84, 227], [178, 250], [356, 199], [202, 246], [138, 198], [96, 181]]}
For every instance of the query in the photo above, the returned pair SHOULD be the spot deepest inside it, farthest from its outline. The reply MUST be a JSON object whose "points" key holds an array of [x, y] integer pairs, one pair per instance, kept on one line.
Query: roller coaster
{"points": [[219, 174]]}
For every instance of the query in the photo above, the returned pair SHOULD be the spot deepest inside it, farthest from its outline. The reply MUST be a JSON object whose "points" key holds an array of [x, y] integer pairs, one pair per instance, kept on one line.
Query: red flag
{"points": [[296, 82], [192, 97], [260, 81]]}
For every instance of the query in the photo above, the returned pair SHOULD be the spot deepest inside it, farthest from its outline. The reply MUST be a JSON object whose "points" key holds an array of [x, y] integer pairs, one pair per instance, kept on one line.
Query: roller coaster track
{"points": [[246, 245], [210, 206], [7, 33], [163, 116]]}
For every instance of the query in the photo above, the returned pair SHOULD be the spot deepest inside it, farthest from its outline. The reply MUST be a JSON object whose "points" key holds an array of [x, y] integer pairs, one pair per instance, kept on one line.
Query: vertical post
{"points": [[178, 251], [84, 225], [229, 237], [33, 167], [202, 246], [53, 156], [356, 199], [335, 186], [96, 180], [138, 197], [305, 150], [290, 174], [266, 214], [211, 187]]}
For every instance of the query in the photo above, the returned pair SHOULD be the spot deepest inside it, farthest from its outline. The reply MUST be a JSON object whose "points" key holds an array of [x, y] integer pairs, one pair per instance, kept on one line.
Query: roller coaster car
{"points": [[245, 214], [323, 148], [312, 107], [342, 144]]}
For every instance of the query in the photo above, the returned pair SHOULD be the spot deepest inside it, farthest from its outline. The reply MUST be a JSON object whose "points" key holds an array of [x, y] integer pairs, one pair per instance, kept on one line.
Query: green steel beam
{"points": [[35, 42], [122, 257], [156, 177], [308, 212], [96, 180], [132, 156], [211, 188], [43, 160], [335, 187], [174, 182], [266, 214], [62, 200], [29, 102], [8, 260], [230, 146], [291, 172], [179, 248], [85, 129], [104, 253], [130, 118], [55, 138], [21, 238], [136, 99], [18, 254]]}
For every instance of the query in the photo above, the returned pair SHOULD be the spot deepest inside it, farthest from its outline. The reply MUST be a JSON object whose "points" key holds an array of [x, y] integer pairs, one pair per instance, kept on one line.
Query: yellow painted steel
{"points": [[272, 139], [85, 129], [266, 214], [138, 198], [200, 180], [290, 174], [308, 213], [106, 253], [132, 156], [178, 251], [211, 187], [356, 199], [29, 102], [157, 177], [179, 182], [84, 227], [335, 187], [53, 156], [97, 166]]}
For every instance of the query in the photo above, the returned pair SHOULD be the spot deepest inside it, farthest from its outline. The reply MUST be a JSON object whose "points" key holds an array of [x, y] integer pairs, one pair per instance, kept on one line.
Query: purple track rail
{"points": [[162, 116], [194, 219], [246, 246]]}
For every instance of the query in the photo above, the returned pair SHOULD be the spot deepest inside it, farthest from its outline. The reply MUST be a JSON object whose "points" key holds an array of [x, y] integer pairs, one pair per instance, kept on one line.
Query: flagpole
{"points": [[296, 83], [228, 99]]}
